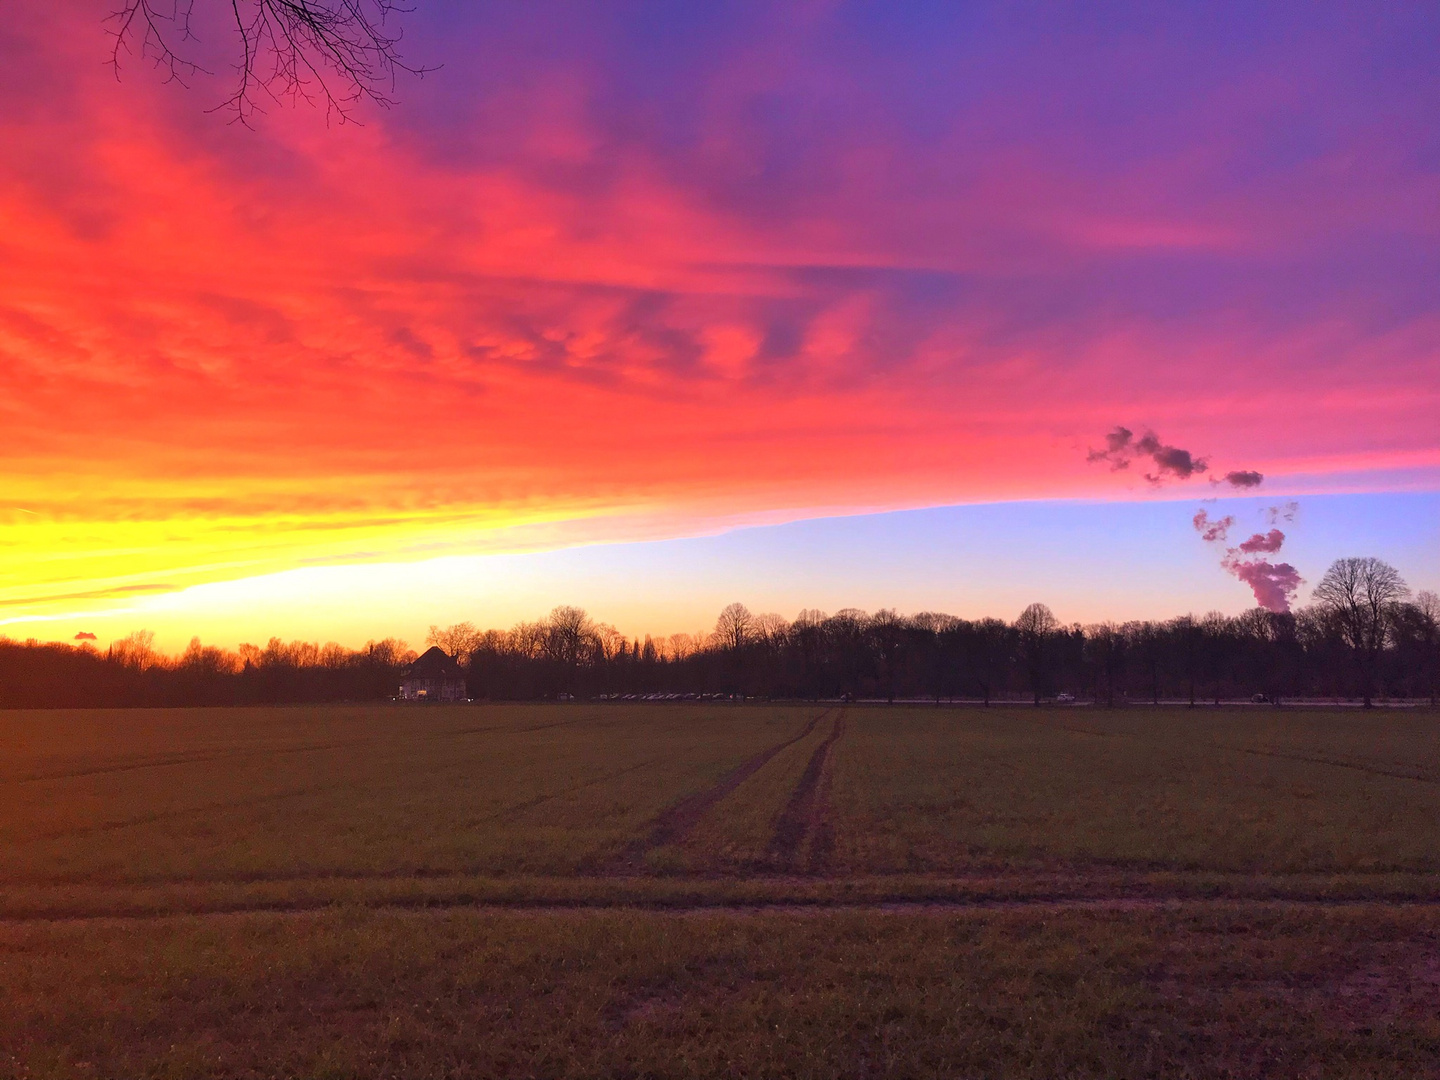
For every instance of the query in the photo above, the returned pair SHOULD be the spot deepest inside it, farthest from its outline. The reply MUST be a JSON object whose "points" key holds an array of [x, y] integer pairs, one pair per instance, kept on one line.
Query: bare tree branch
{"points": [[339, 52]]}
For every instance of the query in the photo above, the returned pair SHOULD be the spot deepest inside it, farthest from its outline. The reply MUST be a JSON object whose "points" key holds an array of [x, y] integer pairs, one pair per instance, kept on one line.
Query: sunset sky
{"points": [[650, 307]]}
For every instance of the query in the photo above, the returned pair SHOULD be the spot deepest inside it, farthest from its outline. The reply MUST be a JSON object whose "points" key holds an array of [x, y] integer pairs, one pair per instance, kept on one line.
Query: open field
{"points": [[693, 889]]}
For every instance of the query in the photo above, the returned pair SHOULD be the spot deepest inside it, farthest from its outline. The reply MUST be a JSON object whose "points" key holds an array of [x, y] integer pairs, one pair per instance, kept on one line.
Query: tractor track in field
{"points": [[800, 906], [807, 813], [511, 813], [491, 728], [675, 822]]}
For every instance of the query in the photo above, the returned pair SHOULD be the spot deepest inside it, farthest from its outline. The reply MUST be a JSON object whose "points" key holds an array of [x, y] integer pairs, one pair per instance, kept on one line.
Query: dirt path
{"points": [[806, 814], [676, 821]]}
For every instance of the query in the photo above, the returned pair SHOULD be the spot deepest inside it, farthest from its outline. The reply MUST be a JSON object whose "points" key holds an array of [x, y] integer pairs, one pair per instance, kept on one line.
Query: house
{"points": [[433, 677]]}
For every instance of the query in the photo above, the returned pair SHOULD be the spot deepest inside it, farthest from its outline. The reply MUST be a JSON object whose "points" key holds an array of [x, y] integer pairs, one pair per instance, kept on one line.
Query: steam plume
{"points": [[1212, 529], [1274, 584], [1270, 541]]}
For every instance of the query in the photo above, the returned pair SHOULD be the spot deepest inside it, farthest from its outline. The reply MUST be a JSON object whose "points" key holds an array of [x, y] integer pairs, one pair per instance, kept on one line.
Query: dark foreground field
{"points": [[691, 890]]}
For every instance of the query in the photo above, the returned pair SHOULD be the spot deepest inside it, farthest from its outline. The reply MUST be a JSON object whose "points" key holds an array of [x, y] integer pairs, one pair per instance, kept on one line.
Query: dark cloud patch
{"points": [[1117, 449], [84, 635], [1284, 512], [1243, 478], [1169, 462]]}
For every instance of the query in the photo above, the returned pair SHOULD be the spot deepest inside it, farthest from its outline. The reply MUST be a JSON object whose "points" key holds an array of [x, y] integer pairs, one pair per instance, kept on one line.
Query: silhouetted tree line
{"points": [[131, 672], [1362, 637]]}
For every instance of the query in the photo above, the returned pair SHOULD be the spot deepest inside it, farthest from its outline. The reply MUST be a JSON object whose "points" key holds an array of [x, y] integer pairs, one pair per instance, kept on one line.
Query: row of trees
{"points": [[1363, 636], [130, 672]]}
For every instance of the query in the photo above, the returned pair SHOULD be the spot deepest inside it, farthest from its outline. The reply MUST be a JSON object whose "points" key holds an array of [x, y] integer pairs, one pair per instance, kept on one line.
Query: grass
{"points": [[244, 794], [1232, 991], [1244, 791], [583, 890], [141, 797]]}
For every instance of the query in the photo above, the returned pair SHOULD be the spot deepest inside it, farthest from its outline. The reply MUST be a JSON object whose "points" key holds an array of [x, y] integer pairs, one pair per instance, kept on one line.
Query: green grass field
{"points": [[655, 890]]}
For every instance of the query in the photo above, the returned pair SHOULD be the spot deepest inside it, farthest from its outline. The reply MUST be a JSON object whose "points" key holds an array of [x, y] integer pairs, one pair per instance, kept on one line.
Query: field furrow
{"points": [[804, 816]]}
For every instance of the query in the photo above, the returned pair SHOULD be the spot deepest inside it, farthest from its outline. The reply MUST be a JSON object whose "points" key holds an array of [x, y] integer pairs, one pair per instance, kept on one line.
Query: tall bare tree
{"points": [[772, 629], [1427, 608], [457, 641], [1036, 626], [887, 630], [735, 628], [135, 650], [570, 635], [1105, 648], [607, 642], [1419, 628], [990, 646], [336, 52], [1361, 595], [680, 647]]}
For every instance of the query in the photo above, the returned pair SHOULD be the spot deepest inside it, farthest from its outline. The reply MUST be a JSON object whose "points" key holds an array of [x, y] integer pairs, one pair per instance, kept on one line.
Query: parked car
{"points": [[1065, 699]]}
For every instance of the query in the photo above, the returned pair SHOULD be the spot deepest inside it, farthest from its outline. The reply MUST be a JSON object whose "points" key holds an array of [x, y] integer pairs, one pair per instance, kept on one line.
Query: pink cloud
{"points": [[1266, 542], [1274, 584], [1212, 529]]}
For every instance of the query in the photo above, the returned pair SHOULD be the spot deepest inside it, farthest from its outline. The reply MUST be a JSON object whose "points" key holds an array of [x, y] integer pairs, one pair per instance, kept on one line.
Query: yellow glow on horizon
{"points": [[53, 565]]}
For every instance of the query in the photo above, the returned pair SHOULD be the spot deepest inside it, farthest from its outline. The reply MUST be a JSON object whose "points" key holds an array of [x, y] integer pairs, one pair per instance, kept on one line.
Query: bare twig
{"points": [[140, 23], [340, 52]]}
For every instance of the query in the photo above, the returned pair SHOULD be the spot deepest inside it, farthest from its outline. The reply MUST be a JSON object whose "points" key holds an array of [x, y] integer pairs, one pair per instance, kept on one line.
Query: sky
{"points": [[651, 307]]}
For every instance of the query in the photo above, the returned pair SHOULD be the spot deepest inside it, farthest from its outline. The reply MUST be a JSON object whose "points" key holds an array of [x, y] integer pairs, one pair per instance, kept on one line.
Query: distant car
{"points": [[1259, 699], [1065, 699]]}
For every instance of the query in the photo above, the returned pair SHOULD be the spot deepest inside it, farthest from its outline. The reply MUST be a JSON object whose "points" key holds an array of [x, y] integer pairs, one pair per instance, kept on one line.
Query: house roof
{"points": [[434, 663]]}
